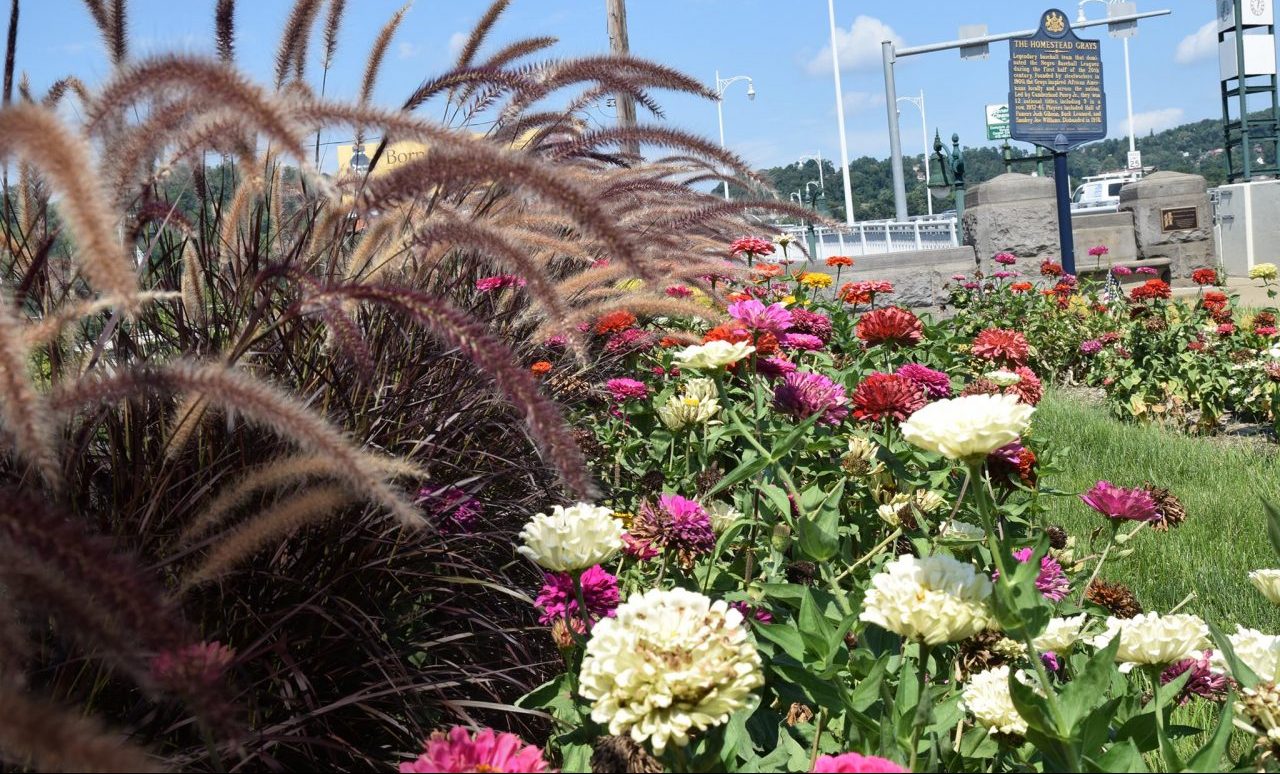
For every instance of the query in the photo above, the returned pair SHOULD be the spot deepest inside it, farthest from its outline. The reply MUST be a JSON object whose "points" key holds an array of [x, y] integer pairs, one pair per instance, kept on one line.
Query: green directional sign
{"points": [[997, 122]]}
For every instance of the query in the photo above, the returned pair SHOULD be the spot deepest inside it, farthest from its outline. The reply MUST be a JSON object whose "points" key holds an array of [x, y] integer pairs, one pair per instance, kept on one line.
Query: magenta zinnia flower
{"points": [[451, 509], [804, 393], [804, 321], [1203, 681], [1098, 250], [1090, 347], [773, 318], [774, 367], [498, 282], [623, 389], [557, 599], [630, 342], [751, 612], [855, 763], [688, 523], [804, 341], [487, 751], [1116, 502], [1008, 259], [1121, 271], [1052, 581], [936, 384], [679, 291]]}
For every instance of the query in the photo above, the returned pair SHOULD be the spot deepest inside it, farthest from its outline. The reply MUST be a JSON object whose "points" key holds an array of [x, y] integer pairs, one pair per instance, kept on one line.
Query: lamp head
{"points": [[751, 90], [1080, 17]]}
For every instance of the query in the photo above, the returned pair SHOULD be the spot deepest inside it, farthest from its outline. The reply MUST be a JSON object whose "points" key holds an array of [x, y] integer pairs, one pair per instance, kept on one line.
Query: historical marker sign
{"points": [[997, 122], [1178, 218], [1055, 85]]}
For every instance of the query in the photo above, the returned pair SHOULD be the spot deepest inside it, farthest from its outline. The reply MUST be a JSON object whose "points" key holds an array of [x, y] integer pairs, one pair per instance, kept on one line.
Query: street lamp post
{"points": [[818, 158], [924, 139], [1128, 86], [721, 85], [844, 143]]}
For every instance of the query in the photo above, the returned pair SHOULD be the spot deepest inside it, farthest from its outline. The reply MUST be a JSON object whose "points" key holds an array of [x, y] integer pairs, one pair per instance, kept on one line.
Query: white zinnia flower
{"points": [[969, 427], [712, 355], [929, 500], [1060, 634], [954, 529], [1260, 652], [863, 448], [1002, 378], [1152, 638], [932, 600], [986, 697], [696, 405], [669, 663], [722, 515], [1261, 707], [571, 539], [1268, 582]]}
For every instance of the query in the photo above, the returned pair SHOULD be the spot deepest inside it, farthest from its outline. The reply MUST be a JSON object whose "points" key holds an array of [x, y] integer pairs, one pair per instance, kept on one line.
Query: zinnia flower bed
{"points": [[834, 557]]}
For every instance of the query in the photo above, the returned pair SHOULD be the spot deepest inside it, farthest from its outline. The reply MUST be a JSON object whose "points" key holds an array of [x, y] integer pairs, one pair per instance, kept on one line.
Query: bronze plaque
{"points": [[1178, 219]]}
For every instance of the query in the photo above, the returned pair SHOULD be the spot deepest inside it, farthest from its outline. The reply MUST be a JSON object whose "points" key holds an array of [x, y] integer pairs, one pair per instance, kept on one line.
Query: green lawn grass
{"points": [[1221, 482]]}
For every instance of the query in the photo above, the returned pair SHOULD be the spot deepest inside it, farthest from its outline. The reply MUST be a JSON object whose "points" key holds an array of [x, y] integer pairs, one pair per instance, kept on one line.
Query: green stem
{"points": [[1111, 541], [817, 737], [1166, 749], [923, 707]]}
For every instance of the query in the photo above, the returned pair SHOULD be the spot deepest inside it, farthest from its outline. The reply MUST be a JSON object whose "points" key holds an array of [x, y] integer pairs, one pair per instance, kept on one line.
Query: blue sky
{"points": [[782, 44]]}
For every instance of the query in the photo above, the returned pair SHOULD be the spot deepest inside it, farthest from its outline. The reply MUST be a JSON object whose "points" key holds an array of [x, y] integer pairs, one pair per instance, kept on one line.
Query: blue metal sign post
{"points": [[1056, 101]]}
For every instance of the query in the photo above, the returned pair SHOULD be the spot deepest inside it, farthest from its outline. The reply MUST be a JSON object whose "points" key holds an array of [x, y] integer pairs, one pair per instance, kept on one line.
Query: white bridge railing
{"points": [[880, 236]]}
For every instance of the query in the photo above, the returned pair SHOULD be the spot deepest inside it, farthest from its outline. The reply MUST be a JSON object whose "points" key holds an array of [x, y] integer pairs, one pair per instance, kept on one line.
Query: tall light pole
{"points": [[721, 85], [1115, 8], [924, 138], [844, 143]]}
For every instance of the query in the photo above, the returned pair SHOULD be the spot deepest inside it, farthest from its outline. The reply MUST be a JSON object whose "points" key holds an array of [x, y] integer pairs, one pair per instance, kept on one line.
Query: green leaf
{"points": [[1019, 606], [1122, 757], [751, 465], [782, 447], [1209, 756], [1089, 688], [784, 636], [1273, 525], [820, 533], [815, 629]]}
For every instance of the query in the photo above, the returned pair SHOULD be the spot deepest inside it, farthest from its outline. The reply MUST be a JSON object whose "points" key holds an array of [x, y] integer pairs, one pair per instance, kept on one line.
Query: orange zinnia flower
{"points": [[839, 260], [541, 368], [615, 322]]}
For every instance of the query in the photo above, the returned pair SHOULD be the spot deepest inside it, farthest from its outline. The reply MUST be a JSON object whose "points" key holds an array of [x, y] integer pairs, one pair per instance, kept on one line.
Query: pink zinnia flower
{"points": [[1147, 270], [1265, 330], [1098, 250], [971, 286], [1116, 502], [1226, 329], [679, 291], [1090, 347], [774, 366], [450, 509], [751, 246], [1121, 271], [958, 277], [803, 341], [751, 612], [1052, 581], [803, 393], [936, 384], [630, 342], [755, 315], [487, 751], [804, 321], [887, 396], [556, 341], [1008, 259], [1004, 274], [498, 282], [624, 389], [1203, 682], [557, 600], [855, 763]]}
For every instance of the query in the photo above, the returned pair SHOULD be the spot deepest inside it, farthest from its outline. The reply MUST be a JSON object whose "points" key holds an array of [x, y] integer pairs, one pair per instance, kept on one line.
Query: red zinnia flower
{"points": [[887, 396], [1214, 300], [767, 270], [615, 322], [891, 325], [1050, 269], [1020, 287], [854, 293], [1204, 277], [1029, 390], [751, 246], [839, 260], [1000, 345], [1151, 289]]}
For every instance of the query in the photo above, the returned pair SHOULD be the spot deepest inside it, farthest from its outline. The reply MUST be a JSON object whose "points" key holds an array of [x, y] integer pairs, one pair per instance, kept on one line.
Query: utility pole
{"points": [[616, 10]]}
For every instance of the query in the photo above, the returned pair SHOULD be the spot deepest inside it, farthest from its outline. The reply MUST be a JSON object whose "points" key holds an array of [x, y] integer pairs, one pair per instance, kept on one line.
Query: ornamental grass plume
{"points": [[558, 600], [968, 428], [1002, 347], [933, 600], [774, 318], [986, 697], [672, 662], [801, 394], [855, 763], [1267, 582], [936, 384], [1120, 503], [882, 396], [571, 539], [1154, 639], [890, 325], [459, 751]]}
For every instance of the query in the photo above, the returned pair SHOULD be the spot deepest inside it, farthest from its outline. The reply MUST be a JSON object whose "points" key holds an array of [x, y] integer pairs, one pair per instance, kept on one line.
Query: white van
{"points": [[1101, 191]]}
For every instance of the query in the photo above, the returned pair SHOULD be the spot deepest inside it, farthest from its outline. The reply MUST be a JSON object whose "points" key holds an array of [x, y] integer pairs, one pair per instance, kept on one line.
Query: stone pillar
{"points": [[1012, 213], [1162, 201]]}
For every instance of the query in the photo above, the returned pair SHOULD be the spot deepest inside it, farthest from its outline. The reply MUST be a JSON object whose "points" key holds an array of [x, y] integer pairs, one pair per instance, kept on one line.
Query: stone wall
{"points": [[1112, 229], [1013, 213], [918, 276], [1147, 198]]}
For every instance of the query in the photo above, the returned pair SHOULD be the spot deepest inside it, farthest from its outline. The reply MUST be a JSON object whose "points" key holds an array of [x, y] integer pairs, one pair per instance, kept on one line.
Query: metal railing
{"points": [[878, 237]]}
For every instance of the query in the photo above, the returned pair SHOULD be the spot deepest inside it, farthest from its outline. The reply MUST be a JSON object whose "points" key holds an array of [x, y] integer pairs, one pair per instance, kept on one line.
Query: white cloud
{"points": [[859, 46], [407, 51], [456, 41], [1146, 122], [1201, 44], [858, 101]]}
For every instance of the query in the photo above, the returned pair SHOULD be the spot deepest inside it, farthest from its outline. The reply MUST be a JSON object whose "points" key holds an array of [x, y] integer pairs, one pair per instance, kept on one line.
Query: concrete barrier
{"points": [[917, 275], [1112, 229]]}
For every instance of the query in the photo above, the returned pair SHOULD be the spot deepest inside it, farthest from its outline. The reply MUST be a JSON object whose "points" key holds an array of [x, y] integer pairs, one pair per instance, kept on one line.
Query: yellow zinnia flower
{"points": [[815, 279]]}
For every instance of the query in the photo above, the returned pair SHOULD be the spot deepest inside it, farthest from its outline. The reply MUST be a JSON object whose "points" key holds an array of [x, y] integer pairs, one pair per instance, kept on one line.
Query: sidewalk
{"points": [[1251, 292]]}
